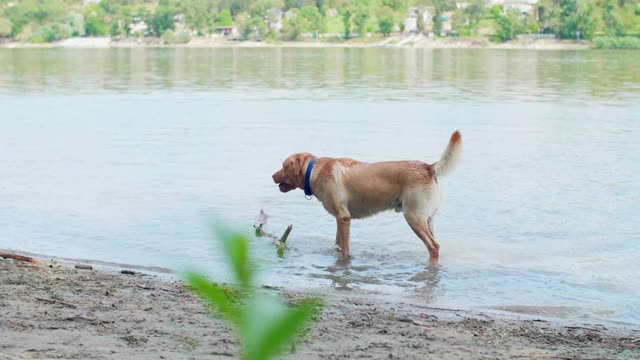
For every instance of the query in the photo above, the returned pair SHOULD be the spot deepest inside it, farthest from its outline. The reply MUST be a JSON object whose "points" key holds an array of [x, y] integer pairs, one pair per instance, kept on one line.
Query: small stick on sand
{"points": [[20, 258], [582, 327], [414, 322], [54, 301]]}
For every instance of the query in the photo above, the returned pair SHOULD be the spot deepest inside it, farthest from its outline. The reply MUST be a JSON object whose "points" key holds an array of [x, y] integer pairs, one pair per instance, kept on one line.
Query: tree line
{"points": [[177, 21]]}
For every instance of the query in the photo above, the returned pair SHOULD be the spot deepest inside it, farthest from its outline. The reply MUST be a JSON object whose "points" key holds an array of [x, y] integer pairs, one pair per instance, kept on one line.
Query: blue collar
{"points": [[307, 178]]}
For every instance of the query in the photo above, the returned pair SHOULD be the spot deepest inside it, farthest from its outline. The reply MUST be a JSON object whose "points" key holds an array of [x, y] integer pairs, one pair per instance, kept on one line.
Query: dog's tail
{"points": [[450, 157]]}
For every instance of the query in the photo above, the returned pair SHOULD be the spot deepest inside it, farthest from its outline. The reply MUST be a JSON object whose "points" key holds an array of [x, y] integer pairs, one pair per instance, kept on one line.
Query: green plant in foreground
{"points": [[266, 325]]}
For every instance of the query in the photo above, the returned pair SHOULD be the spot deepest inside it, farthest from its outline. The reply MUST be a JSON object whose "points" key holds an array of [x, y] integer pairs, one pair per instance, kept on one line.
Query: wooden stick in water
{"points": [[284, 237]]}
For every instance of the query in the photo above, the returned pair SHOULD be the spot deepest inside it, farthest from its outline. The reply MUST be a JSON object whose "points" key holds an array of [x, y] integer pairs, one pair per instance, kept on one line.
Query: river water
{"points": [[128, 155]]}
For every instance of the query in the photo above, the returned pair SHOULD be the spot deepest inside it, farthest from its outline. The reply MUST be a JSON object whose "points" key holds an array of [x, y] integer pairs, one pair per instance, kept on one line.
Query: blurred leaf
{"points": [[216, 296], [268, 326], [236, 247]]}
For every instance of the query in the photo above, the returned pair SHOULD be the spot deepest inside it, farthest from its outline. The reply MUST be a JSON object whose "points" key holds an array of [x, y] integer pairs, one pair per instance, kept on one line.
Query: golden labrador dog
{"points": [[350, 189]]}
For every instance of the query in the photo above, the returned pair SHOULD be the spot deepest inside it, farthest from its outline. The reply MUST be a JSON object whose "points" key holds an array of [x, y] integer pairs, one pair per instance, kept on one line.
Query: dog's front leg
{"points": [[344, 229]]}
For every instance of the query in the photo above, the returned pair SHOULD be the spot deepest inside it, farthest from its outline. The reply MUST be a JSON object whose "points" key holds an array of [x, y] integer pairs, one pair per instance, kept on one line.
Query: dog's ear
{"points": [[287, 166], [298, 162], [293, 167]]}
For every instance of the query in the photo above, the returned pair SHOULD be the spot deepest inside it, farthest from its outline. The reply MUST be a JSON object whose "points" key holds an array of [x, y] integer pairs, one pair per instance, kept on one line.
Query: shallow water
{"points": [[126, 155]]}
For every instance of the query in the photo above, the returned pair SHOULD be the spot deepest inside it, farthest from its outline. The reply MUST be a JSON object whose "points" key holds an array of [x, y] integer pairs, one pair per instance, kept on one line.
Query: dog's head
{"points": [[291, 176]]}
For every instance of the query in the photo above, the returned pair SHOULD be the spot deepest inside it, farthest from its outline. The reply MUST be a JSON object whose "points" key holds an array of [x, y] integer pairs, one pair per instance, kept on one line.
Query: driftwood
{"points": [[20, 258], [412, 321], [54, 301], [285, 236], [84, 267], [584, 328], [262, 220], [281, 241]]}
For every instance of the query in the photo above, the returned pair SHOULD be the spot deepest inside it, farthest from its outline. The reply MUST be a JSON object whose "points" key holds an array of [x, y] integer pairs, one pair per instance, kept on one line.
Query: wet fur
{"points": [[350, 189]]}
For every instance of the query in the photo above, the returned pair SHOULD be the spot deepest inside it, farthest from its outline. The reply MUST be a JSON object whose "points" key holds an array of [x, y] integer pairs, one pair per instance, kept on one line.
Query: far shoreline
{"points": [[377, 42]]}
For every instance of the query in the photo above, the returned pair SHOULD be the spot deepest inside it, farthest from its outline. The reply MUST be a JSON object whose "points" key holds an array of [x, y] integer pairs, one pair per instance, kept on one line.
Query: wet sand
{"points": [[53, 310]]}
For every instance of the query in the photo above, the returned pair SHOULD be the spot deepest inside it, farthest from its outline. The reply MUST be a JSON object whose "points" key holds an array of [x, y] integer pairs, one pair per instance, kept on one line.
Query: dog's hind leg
{"points": [[344, 230], [424, 229]]}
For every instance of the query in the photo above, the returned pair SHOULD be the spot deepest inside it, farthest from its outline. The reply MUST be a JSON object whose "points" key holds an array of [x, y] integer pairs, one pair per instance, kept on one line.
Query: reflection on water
{"points": [[125, 155], [475, 75]]}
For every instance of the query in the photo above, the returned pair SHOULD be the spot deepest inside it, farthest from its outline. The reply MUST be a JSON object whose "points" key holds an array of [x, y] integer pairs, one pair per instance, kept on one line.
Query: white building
{"points": [[524, 6], [274, 19], [411, 21]]}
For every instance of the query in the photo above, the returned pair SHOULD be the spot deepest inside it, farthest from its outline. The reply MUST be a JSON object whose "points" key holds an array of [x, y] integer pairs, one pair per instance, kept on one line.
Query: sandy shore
{"points": [[394, 42], [53, 310]]}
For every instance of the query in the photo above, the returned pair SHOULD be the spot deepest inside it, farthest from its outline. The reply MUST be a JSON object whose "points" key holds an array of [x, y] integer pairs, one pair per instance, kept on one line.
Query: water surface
{"points": [[126, 155]]}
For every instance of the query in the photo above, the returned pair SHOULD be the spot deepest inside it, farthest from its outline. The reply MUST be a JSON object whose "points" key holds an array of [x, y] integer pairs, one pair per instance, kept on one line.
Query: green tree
{"points": [[612, 25], [396, 5], [251, 27], [95, 26], [35, 12], [310, 19], [19, 17], [360, 20], [439, 7], [290, 28], [568, 25], [5, 27], [495, 11], [242, 21], [573, 18], [420, 23], [460, 23], [76, 22], [475, 12], [346, 13], [262, 7], [161, 20], [504, 31], [529, 25], [54, 32], [438, 10], [236, 6], [200, 15], [224, 18], [290, 4], [385, 24]]}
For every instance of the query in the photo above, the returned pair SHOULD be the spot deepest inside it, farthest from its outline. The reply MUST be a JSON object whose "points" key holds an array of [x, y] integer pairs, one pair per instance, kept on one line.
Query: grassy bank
{"points": [[616, 43]]}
